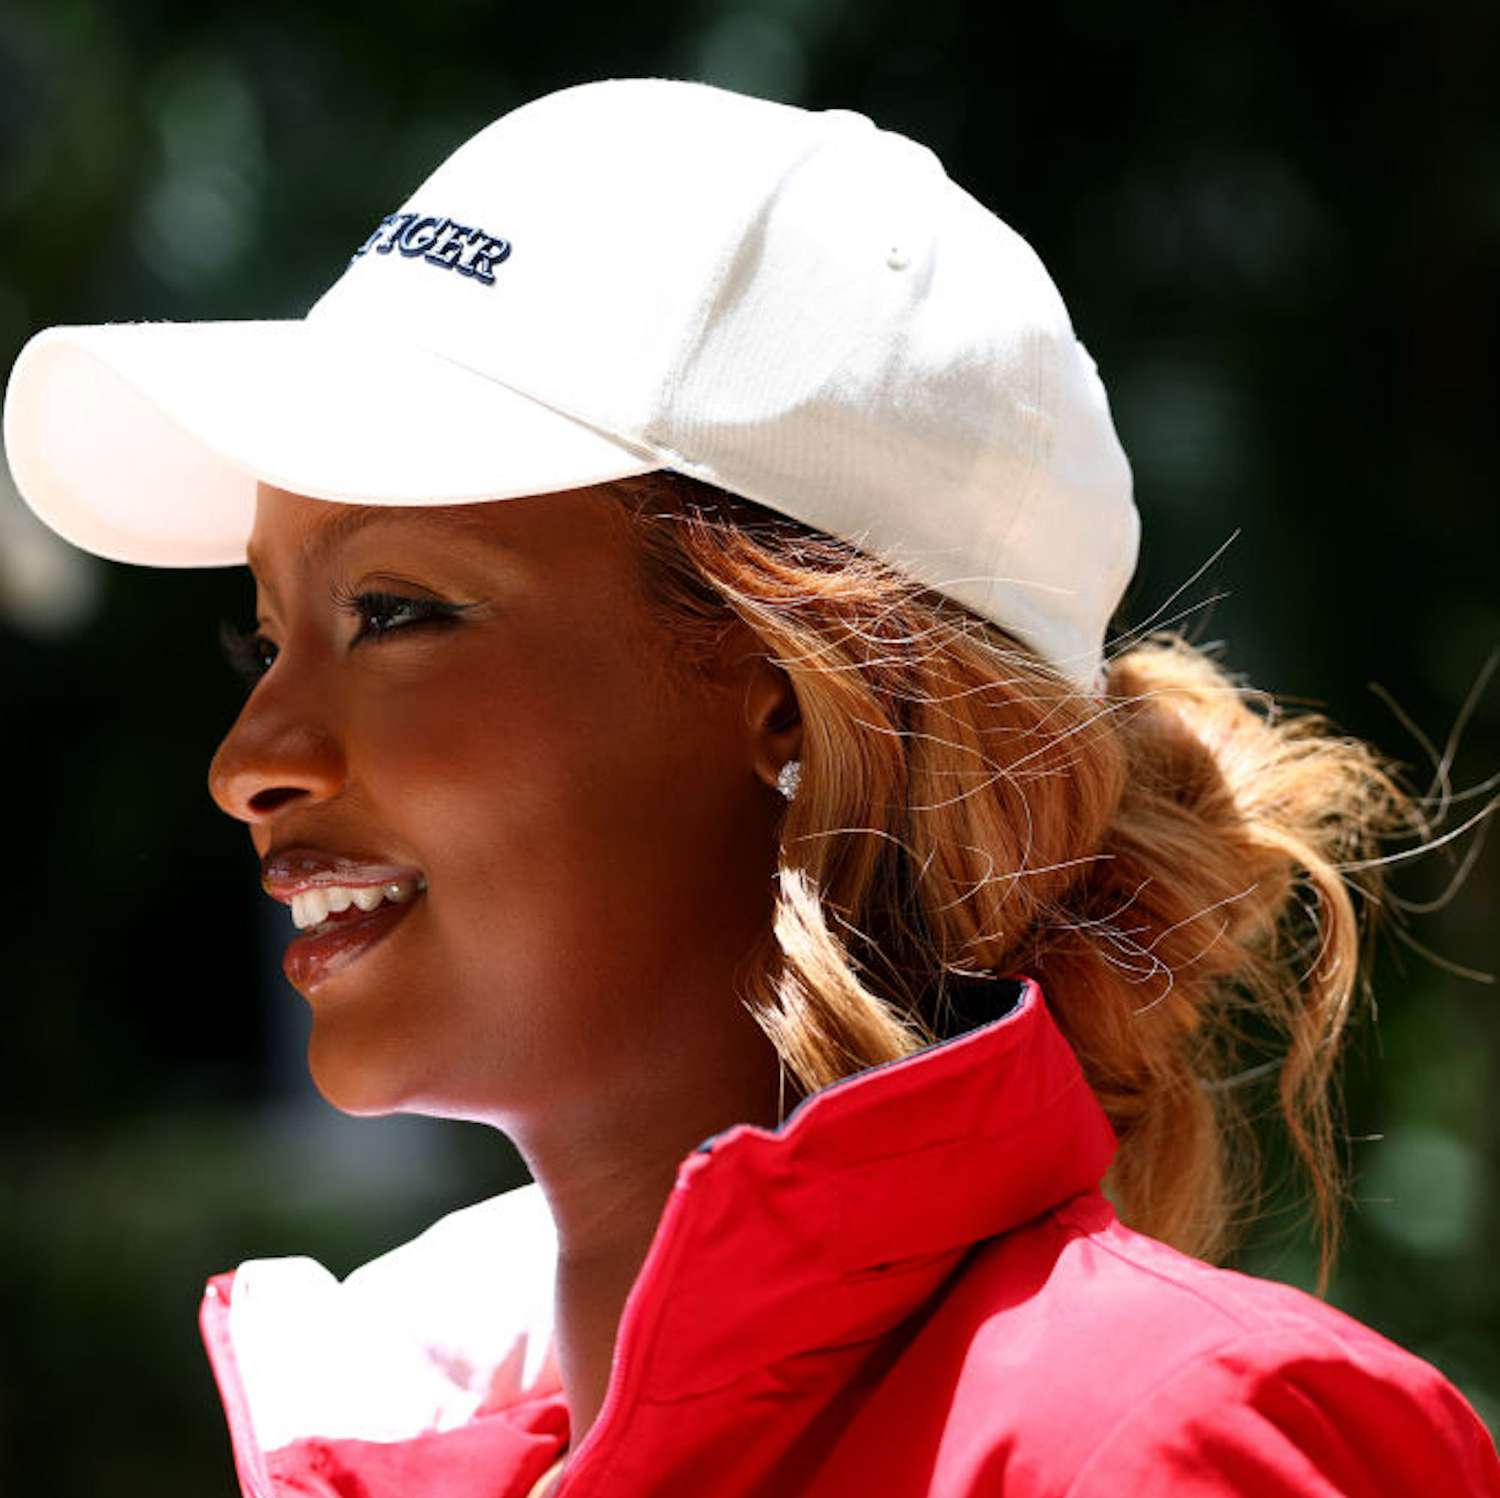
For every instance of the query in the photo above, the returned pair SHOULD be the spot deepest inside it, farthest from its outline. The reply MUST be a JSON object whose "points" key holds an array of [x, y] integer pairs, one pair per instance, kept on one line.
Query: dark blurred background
{"points": [[1277, 229]]}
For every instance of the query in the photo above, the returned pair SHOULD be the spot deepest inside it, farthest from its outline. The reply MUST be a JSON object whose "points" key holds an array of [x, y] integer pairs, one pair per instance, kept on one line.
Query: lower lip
{"points": [[310, 960]]}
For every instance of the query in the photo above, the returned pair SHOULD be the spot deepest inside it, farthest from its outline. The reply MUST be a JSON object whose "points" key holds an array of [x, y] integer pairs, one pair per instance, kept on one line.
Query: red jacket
{"points": [[914, 1287]]}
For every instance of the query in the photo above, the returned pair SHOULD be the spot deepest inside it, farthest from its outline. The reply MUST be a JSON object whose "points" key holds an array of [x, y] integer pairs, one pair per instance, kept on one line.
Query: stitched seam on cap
{"points": [[692, 346], [1040, 389]]}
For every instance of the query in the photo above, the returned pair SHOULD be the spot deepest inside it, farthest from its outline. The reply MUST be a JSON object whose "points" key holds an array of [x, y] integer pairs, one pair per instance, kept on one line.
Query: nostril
{"points": [[266, 761], [267, 801]]}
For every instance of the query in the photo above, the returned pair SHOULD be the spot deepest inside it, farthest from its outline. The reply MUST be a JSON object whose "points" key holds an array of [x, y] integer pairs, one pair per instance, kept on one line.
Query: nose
{"points": [[278, 753]]}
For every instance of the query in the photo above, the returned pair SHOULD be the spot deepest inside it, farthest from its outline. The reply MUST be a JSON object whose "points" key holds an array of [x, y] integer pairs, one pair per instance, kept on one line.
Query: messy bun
{"points": [[1184, 869]]}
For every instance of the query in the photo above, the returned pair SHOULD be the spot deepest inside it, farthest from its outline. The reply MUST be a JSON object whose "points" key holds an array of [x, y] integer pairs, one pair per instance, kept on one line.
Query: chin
{"points": [[363, 1080], [354, 1091]]}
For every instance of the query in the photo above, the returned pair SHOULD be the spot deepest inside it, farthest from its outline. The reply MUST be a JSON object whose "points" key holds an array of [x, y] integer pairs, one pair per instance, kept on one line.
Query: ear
{"points": [[773, 717]]}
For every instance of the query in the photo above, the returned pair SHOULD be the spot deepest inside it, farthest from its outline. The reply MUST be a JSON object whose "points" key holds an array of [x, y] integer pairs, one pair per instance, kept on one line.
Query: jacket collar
{"points": [[826, 1232], [834, 1227]]}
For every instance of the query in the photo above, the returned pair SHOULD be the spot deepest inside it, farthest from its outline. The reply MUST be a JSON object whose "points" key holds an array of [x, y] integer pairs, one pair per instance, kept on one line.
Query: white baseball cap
{"points": [[624, 276]]}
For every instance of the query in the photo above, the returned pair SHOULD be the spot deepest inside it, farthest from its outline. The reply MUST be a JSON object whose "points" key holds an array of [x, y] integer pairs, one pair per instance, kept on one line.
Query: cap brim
{"points": [[144, 442]]}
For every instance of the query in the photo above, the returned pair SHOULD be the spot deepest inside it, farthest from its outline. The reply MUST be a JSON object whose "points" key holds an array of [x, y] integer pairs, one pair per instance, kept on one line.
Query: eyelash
{"points": [[243, 647]]}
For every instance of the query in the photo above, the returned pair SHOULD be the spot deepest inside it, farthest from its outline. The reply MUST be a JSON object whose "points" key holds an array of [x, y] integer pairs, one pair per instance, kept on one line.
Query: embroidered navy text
{"points": [[438, 241]]}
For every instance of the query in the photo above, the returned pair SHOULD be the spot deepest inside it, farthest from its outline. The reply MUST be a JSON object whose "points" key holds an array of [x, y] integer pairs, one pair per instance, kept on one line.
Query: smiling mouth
{"points": [[321, 907], [340, 939], [342, 904]]}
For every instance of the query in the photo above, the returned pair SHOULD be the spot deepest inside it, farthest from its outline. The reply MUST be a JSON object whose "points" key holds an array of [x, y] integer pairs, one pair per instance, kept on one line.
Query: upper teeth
{"points": [[312, 906]]}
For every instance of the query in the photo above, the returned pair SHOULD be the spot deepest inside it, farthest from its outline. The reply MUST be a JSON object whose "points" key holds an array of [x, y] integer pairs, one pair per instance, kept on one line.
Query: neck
{"points": [[607, 1178]]}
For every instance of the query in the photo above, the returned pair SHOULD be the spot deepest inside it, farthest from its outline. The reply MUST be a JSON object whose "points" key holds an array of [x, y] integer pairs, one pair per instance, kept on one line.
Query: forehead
{"points": [[579, 539], [309, 530]]}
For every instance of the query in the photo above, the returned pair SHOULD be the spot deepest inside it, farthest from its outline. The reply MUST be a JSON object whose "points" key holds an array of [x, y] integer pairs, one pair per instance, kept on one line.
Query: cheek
{"points": [[536, 740], [574, 793], [588, 848]]}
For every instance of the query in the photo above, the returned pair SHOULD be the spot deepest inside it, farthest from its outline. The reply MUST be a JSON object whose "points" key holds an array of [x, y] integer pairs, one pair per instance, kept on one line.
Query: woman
{"points": [[680, 725]]}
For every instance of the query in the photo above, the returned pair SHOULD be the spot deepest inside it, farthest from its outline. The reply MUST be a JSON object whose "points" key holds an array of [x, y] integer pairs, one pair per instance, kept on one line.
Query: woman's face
{"points": [[596, 832]]}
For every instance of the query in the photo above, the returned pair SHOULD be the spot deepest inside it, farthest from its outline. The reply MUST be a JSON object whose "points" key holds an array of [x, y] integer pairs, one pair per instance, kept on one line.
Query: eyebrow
{"points": [[461, 520]]}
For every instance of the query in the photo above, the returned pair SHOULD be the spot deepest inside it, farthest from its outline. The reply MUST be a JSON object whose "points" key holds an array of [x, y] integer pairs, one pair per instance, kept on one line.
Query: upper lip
{"points": [[290, 871]]}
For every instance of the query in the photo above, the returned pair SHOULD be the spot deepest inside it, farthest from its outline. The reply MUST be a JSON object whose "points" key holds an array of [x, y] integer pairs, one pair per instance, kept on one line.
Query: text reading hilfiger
{"points": [[439, 241]]}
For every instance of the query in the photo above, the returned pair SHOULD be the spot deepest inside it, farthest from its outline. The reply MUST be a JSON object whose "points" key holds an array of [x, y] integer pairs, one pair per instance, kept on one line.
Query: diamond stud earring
{"points": [[790, 778]]}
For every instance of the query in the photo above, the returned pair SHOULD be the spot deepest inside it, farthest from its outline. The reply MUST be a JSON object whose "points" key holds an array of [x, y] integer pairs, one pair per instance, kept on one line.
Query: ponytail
{"points": [[1223, 905]]}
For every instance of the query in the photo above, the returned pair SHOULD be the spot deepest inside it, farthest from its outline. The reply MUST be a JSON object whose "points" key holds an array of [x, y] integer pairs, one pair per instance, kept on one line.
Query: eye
{"points": [[380, 614], [249, 653]]}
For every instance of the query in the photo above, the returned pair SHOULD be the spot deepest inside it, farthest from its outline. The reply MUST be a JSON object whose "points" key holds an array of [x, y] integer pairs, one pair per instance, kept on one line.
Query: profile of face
{"points": [[485, 695]]}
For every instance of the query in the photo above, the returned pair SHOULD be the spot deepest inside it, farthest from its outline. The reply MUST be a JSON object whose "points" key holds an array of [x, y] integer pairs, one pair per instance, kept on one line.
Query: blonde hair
{"points": [[1179, 865]]}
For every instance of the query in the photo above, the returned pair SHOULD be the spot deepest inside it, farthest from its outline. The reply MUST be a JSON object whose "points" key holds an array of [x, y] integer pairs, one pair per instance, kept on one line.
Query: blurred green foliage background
{"points": [[1277, 229]]}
